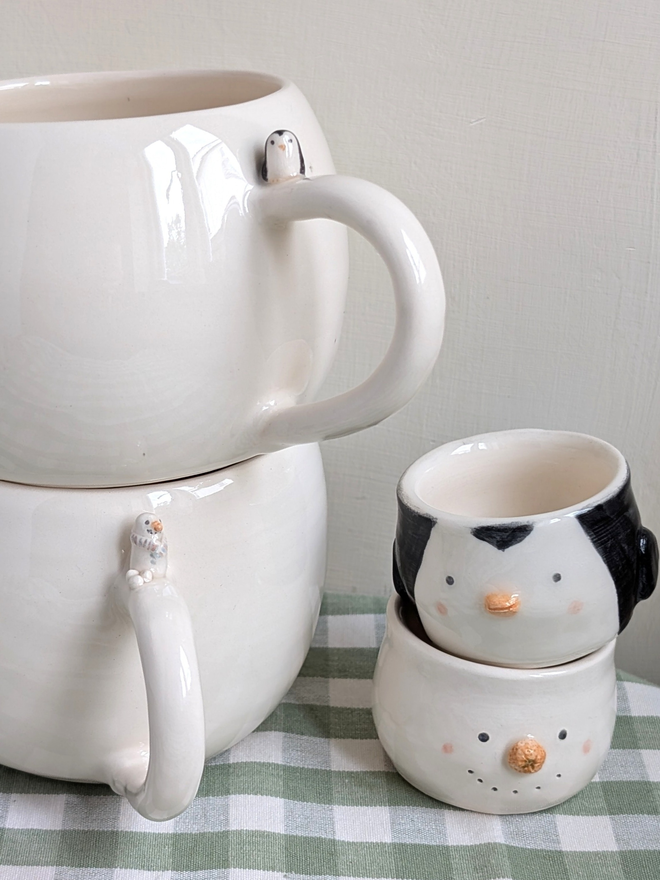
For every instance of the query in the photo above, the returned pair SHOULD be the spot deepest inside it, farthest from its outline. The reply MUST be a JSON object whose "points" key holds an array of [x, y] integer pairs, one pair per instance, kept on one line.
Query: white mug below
{"points": [[523, 547], [487, 738], [172, 285], [146, 628]]}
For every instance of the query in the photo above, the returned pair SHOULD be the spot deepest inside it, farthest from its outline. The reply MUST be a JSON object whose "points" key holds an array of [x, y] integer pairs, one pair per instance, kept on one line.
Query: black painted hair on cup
{"points": [[629, 550], [413, 530], [503, 536]]}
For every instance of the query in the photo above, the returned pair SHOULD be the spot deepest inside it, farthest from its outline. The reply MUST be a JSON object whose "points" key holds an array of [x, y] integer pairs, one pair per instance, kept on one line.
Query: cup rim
{"points": [[281, 84], [406, 490], [397, 629]]}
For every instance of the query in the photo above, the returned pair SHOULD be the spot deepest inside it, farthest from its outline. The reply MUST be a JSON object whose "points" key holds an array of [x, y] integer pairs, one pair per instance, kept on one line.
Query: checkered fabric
{"points": [[311, 794]]}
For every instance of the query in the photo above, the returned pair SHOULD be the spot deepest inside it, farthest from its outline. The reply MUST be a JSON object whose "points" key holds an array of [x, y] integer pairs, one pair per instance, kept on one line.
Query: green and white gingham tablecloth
{"points": [[312, 795]]}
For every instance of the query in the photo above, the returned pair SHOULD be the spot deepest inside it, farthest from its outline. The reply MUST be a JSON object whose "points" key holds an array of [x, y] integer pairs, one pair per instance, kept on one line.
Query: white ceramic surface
{"points": [[487, 738], [523, 547], [161, 313], [222, 630]]}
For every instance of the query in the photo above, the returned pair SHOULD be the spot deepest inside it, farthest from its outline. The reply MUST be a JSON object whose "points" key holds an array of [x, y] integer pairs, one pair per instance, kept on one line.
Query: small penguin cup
{"points": [[484, 737], [523, 547]]}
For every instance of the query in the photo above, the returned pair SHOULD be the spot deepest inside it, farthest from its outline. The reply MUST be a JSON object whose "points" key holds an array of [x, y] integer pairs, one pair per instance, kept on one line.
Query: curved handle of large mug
{"points": [[174, 699], [408, 254]]}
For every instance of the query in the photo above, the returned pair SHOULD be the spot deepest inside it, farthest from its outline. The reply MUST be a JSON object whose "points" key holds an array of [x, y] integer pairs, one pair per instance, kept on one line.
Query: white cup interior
{"points": [[113, 95], [515, 473]]}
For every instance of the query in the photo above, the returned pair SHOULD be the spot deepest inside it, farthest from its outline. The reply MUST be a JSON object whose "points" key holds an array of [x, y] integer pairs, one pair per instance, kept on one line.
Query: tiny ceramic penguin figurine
{"points": [[534, 592], [283, 158], [148, 551]]}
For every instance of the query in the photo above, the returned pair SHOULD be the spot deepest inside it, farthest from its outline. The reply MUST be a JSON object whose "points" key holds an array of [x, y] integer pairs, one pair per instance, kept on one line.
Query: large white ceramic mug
{"points": [[145, 628], [161, 313]]}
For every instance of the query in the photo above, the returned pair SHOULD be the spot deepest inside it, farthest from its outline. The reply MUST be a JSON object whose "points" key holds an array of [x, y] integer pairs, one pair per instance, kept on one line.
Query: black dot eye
{"points": [[290, 141], [450, 580], [562, 734], [483, 737], [146, 522], [556, 577], [273, 143]]}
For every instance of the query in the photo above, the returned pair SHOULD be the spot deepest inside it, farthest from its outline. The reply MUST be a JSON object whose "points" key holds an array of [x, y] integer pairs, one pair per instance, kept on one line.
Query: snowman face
{"points": [[534, 596], [501, 763], [485, 738], [515, 762], [147, 524]]}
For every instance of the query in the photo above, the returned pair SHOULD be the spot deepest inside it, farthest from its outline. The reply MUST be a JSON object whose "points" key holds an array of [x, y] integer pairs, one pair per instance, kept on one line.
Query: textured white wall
{"points": [[524, 136]]}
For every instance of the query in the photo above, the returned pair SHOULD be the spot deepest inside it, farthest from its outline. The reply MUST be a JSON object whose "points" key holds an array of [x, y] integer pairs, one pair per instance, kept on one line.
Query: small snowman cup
{"points": [[522, 548], [487, 738]]}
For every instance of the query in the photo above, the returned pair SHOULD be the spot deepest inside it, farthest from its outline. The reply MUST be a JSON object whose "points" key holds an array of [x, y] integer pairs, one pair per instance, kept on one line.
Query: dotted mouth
{"points": [[514, 790]]}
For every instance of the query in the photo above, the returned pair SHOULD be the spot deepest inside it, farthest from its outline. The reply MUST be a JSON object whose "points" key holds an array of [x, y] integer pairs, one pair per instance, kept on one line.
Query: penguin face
{"points": [[531, 593], [283, 157], [147, 524], [516, 595]]}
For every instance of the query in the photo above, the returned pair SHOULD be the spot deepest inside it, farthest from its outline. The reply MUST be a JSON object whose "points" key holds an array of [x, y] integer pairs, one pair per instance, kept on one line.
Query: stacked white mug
{"points": [[519, 556], [171, 290]]}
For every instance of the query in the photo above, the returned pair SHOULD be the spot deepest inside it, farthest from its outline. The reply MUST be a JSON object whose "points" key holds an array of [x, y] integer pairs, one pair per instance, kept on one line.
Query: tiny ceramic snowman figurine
{"points": [[283, 158], [148, 551]]}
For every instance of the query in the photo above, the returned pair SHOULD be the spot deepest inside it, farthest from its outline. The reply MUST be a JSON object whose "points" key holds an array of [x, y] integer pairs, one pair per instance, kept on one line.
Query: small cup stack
{"points": [[519, 556]]}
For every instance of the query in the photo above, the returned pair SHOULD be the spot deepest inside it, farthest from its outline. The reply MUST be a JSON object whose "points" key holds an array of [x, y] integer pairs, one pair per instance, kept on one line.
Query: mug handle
{"points": [[174, 701], [401, 241]]}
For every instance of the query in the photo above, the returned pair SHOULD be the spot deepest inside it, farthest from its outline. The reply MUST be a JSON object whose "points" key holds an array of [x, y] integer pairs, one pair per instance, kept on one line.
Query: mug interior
{"points": [[115, 95], [516, 474]]}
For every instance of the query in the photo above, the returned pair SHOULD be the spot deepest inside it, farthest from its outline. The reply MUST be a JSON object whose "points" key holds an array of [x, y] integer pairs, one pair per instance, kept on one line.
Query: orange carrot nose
{"points": [[157, 525], [504, 604], [526, 756], [282, 146]]}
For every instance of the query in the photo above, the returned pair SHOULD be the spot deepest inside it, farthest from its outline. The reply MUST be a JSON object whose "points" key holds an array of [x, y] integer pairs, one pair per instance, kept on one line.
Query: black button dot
{"points": [[559, 776], [483, 737], [556, 577], [479, 780], [493, 789], [515, 791], [450, 580], [538, 788], [470, 771], [562, 734]]}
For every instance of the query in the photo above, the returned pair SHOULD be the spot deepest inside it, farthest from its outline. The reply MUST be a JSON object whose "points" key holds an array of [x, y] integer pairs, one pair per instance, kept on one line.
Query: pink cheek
{"points": [[442, 609], [586, 747], [447, 748], [575, 607]]}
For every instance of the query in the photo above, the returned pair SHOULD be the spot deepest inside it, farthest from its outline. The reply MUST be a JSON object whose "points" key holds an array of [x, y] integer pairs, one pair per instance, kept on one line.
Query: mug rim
{"points": [[281, 84], [397, 629], [407, 492]]}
